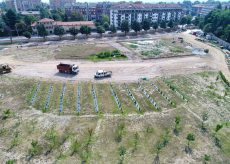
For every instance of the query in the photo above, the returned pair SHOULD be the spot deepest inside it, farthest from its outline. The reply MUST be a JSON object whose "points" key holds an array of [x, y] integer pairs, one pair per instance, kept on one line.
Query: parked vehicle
{"points": [[5, 68], [102, 74], [68, 68]]}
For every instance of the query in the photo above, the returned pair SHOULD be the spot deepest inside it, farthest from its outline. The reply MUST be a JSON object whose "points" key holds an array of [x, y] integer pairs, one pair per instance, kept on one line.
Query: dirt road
{"points": [[126, 71]]}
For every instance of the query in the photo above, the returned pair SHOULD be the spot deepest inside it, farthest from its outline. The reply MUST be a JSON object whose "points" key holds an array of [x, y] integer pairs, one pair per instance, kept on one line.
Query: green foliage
{"points": [[113, 29], [224, 78], [6, 114], [146, 24], [73, 31], [76, 16], [109, 55], [163, 142], [100, 30], [133, 46], [120, 130], [206, 158], [125, 26], [11, 161], [42, 31], [136, 141], [11, 18], [170, 24], [35, 149], [217, 22], [106, 26], [190, 137], [183, 21], [44, 12], [155, 25], [218, 127], [29, 19], [75, 147], [27, 34], [105, 19], [85, 30], [136, 26], [163, 24], [122, 152], [59, 30]]}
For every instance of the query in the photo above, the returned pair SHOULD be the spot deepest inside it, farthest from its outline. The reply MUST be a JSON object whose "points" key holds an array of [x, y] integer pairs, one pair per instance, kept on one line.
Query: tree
{"points": [[136, 26], [163, 24], [155, 25], [206, 158], [100, 30], [125, 26], [44, 12], [20, 27], [42, 31], [190, 137], [73, 31], [208, 28], [85, 30], [75, 16], [106, 26], [10, 18], [56, 17], [146, 24], [105, 19], [27, 34], [113, 29], [59, 30], [29, 19], [189, 19], [170, 24], [183, 21]]}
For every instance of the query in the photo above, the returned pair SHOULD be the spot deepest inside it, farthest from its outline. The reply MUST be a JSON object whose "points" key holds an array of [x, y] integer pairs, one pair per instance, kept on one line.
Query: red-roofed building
{"points": [[50, 24]]}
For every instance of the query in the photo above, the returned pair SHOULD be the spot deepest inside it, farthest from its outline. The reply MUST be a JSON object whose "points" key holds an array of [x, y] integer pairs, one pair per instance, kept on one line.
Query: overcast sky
{"points": [[151, 1]]}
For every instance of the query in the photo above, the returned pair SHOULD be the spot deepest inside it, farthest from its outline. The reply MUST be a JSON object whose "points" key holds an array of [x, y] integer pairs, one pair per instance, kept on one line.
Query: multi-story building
{"points": [[55, 4], [23, 5], [50, 24], [139, 11], [103, 8], [203, 9], [88, 10]]}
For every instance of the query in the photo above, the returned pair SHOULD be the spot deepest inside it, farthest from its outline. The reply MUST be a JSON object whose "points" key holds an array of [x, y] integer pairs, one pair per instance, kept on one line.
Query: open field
{"points": [[81, 51], [62, 133], [158, 48]]}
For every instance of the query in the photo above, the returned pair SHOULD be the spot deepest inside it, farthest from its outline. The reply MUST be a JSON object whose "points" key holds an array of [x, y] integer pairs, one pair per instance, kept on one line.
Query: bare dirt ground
{"points": [[130, 70]]}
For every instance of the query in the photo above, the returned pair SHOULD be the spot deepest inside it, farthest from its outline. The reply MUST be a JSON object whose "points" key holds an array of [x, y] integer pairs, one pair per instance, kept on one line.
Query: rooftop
{"points": [[44, 20], [139, 6]]}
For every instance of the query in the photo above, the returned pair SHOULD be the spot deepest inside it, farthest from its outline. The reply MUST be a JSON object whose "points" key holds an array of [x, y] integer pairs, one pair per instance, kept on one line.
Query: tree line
{"points": [[216, 22]]}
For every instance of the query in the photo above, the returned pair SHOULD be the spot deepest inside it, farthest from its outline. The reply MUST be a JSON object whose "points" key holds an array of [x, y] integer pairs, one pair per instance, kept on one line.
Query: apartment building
{"points": [[139, 11]]}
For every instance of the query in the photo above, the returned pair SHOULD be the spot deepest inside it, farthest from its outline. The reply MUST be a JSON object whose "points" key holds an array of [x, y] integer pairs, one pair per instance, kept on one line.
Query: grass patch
{"points": [[107, 55], [152, 53]]}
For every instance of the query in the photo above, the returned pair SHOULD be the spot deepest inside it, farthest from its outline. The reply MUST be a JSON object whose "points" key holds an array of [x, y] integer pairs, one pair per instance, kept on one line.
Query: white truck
{"points": [[102, 74]]}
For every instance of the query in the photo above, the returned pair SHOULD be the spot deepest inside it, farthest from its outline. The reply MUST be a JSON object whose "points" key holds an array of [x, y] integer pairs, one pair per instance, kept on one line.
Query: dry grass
{"points": [[81, 51]]}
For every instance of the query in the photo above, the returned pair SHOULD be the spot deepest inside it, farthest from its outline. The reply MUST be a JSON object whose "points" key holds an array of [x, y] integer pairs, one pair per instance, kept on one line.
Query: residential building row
{"points": [[22, 5], [139, 11]]}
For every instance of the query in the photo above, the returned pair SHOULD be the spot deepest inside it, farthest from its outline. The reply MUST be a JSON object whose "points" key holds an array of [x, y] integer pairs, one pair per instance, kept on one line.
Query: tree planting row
{"points": [[116, 98], [79, 98], [62, 98], [35, 94], [148, 97], [48, 97], [94, 98], [164, 95], [132, 97], [173, 88]]}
